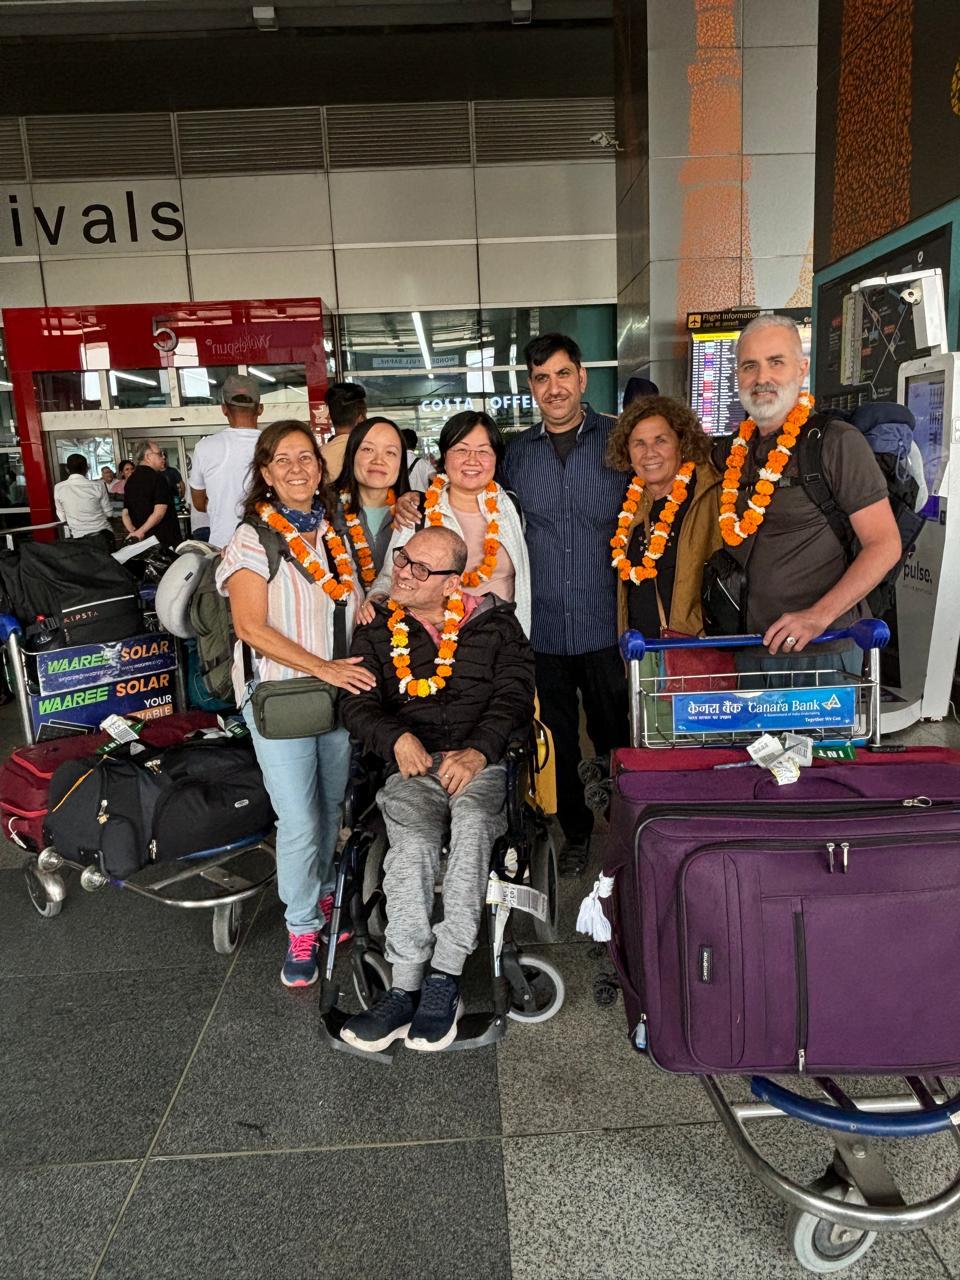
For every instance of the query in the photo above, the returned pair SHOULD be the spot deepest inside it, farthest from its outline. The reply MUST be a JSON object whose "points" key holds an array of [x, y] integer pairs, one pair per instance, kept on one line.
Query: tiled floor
{"points": [[166, 1112]]}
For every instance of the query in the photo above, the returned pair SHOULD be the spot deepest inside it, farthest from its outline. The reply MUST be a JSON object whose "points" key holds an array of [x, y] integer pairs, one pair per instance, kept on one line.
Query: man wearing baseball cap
{"points": [[220, 470]]}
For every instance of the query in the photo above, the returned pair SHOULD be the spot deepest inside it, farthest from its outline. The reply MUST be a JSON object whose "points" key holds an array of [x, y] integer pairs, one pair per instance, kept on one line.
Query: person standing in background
{"points": [[83, 504], [148, 504], [220, 470], [570, 498], [347, 402]]}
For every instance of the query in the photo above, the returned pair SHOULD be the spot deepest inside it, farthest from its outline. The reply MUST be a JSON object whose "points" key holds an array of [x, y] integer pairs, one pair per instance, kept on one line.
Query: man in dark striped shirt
{"points": [[570, 500]]}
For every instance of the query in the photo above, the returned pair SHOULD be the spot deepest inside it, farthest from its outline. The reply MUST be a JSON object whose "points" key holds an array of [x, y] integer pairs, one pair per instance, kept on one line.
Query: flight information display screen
{"points": [[713, 381]]}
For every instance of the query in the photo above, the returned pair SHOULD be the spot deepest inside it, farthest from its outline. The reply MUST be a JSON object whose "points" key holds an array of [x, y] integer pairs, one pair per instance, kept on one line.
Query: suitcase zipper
{"points": [[800, 966]]}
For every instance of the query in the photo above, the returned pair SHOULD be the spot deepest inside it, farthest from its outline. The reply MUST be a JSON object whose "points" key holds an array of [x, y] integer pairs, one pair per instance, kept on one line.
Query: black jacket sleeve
{"points": [[510, 708], [365, 715]]}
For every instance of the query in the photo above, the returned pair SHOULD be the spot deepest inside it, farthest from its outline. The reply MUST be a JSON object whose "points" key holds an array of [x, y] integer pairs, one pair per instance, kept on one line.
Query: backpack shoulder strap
{"points": [[815, 483], [274, 545]]}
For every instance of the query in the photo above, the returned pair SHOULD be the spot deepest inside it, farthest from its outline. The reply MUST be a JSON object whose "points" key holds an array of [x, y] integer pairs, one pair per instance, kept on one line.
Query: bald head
{"points": [[449, 546], [431, 565]]}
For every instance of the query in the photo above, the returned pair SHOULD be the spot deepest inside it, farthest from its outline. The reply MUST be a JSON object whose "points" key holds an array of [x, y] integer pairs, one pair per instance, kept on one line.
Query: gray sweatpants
{"points": [[417, 812]]}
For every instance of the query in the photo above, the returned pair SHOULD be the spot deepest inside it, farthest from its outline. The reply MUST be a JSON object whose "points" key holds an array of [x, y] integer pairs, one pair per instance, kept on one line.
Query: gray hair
{"points": [[140, 452], [770, 320]]}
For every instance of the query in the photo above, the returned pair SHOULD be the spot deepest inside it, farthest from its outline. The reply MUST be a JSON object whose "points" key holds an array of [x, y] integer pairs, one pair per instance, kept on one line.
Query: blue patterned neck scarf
{"points": [[303, 521]]}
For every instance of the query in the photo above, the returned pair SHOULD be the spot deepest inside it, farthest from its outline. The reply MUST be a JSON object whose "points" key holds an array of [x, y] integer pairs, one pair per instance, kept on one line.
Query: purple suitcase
{"points": [[813, 927]]}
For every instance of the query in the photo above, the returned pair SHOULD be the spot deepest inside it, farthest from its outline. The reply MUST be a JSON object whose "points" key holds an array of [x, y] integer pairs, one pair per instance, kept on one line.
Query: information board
{"points": [[817, 707]]}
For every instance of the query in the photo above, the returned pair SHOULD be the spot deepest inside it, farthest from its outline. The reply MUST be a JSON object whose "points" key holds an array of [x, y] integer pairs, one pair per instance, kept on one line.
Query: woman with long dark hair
{"points": [[465, 496], [372, 478], [292, 624]]}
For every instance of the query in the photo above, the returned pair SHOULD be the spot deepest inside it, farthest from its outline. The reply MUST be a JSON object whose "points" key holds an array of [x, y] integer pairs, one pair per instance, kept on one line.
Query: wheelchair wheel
{"points": [[378, 976], [543, 876], [372, 884], [548, 991]]}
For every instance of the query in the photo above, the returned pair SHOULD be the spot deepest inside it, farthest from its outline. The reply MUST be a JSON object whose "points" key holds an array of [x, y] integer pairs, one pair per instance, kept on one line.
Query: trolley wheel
{"points": [[543, 876], [372, 882], [378, 976], [606, 988], [547, 987], [46, 889], [821, 1246], [226, 928]]}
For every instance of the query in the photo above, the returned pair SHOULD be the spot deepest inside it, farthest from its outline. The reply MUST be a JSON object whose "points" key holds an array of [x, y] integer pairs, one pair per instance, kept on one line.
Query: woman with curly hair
{"points": [[669, 525]]}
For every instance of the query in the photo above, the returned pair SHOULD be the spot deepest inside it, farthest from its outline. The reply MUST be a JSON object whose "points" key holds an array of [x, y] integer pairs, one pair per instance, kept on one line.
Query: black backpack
{"points": [[126, 810], [902, 489]]}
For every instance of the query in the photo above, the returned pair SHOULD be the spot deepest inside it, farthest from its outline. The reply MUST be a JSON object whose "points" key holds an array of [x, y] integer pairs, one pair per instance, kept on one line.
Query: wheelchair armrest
{"points": [[517, 750]]}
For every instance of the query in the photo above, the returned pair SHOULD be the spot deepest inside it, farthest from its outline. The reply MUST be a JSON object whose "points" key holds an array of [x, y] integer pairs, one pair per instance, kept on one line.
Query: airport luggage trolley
{"points": [[834, 1221], [218, 880]]}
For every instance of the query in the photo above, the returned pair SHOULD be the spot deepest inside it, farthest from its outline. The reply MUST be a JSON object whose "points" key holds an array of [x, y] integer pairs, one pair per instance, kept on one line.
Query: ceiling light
{"points": [[258, 373], [7, 386], [422, 339], [132, 377], [265, 17]]}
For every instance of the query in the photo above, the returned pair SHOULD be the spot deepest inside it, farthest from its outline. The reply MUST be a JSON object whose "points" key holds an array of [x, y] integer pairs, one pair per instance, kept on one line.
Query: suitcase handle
{"points": [[867, 633]]}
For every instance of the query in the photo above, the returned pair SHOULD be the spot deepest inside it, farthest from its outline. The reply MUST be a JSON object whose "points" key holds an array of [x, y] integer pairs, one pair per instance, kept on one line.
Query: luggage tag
{"points": [[768, 752], [121, 731]]}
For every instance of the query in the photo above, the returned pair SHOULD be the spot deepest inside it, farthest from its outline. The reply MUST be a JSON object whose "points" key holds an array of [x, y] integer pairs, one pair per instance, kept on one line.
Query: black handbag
{"points": [[723, 595], [306, 705]]}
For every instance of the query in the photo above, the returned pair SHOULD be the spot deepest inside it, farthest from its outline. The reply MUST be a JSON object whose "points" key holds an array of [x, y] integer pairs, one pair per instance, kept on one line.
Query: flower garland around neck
{"points": [[362, 552], [647, 568], [484, 571], [308, 558], [446, 653], [734, 529]]}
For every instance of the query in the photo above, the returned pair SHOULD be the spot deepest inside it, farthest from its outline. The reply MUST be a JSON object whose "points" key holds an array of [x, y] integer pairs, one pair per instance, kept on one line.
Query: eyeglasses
{"points": [[419, 570], [460, 453]]}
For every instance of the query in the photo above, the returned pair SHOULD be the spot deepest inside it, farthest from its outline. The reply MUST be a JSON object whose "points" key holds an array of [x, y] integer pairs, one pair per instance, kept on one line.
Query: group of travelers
{"points": [[437, 615], [427, 609]]}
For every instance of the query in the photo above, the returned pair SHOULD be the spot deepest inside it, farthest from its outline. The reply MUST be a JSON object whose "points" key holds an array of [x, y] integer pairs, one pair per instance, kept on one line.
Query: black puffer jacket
{"points": [[487, 700]]}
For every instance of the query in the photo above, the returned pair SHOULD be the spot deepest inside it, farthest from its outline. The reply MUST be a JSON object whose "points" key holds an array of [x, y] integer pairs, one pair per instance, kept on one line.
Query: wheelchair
{"points": [[523, 876]]}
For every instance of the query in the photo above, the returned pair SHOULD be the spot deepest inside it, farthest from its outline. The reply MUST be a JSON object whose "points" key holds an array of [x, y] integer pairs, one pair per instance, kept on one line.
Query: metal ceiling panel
{"points": [[542, 129], [268, 140], [395, 135], [101, 146]]}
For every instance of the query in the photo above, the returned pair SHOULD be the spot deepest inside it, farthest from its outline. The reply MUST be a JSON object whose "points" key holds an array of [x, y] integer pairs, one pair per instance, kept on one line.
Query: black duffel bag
{"points": [[81, 588], [138, 807]]}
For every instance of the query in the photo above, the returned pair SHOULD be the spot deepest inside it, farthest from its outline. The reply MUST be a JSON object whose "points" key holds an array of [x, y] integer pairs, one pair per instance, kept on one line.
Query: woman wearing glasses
{"points": [[465, 497]]}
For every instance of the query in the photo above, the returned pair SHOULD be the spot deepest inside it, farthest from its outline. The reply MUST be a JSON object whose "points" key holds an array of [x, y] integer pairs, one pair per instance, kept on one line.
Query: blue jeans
{"points": [[306, 779]]}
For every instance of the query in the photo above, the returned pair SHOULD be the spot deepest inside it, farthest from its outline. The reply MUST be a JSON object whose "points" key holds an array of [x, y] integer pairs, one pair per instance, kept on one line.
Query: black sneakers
{"points": [[377, 1027], [434, 1024]]}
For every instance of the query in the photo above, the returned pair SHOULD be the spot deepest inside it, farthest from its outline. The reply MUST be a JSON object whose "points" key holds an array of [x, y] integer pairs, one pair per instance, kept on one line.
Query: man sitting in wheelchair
{"points": [[454, 683]]}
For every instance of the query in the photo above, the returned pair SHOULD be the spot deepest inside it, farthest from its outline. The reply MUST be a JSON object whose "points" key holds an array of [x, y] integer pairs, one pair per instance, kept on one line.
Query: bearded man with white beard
{"points": [[799, 580]]}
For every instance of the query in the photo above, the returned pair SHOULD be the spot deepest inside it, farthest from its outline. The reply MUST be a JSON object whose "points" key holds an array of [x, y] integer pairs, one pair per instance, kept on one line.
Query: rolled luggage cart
{"points": [[834, 1221], [223, 877]]}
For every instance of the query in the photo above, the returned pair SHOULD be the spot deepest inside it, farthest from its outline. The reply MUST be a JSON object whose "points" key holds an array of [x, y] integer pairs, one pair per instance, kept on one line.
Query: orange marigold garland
{"points": [[485, 570], [734, 529], [446, 653], [361, 548], [306, 556], [647, 568]]}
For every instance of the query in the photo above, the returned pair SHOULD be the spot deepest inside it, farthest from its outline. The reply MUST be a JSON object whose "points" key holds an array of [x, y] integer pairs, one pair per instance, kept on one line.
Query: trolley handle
{"points": [[867, 633]]}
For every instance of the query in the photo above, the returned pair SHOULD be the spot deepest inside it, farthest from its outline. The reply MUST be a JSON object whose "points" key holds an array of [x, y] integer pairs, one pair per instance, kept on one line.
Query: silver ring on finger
{"points": [[791, 641]]}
